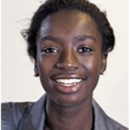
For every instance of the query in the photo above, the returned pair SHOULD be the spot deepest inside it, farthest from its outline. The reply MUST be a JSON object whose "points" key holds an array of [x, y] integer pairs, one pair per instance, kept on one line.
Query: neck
{"points": [[68, 118]]}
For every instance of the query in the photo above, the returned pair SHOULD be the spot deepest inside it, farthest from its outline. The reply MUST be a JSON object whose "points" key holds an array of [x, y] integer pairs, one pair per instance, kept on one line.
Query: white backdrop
{"points": [[18, 82]]}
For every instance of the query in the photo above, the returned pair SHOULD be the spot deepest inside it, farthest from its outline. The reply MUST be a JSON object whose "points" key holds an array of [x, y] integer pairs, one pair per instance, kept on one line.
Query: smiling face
{"points": [[69, 58]]}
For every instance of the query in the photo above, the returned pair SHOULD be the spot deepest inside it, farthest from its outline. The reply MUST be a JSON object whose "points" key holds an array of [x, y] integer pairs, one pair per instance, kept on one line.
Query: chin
{"points": [[69, 100]]}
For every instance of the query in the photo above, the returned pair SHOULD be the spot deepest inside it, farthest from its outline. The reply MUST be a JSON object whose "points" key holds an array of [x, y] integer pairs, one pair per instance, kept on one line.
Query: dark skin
{"points": [[69, 47]]}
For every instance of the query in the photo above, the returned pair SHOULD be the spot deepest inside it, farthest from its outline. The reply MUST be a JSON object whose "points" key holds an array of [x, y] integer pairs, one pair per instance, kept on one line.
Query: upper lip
{"points": [[64, 76]]}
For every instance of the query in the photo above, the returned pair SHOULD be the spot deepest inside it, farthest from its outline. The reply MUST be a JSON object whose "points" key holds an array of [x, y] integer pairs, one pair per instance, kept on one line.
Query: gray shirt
{"points": [[31, 116]]}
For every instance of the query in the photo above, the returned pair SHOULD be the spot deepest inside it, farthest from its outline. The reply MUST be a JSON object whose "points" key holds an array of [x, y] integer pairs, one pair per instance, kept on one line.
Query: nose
{"points": [[68, 60]]}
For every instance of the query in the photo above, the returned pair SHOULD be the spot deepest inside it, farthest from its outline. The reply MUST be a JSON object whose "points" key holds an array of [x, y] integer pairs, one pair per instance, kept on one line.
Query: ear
{"points": [[36, 73], [103, 62]]}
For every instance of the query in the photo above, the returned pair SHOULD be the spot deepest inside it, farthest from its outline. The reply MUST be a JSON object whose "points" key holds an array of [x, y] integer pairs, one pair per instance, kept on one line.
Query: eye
{"points": [[84, 49], [50, 50]]}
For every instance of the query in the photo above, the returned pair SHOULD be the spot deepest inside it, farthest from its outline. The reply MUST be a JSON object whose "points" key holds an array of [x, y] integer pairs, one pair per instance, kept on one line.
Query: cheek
{"points": [[45, 64], [44, 71], [44, 75], [45, 68], [93, 71], [92, 66]]}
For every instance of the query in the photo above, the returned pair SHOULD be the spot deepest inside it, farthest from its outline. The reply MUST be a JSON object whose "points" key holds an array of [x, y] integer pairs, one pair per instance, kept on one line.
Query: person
{"points": [[69, 41]]}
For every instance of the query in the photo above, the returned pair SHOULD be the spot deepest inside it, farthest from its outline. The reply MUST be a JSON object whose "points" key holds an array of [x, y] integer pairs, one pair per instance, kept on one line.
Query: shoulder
{"points": [[11, 113], [117, 125], [22, 115], [103, 121]]}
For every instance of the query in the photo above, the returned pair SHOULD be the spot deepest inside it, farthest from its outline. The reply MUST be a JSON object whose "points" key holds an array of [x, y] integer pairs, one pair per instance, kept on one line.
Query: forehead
{"points": [[69, 23]]}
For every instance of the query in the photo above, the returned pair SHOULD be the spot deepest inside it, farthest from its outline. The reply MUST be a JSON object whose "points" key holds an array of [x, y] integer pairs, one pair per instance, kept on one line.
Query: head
{"points": [[69, 39]]}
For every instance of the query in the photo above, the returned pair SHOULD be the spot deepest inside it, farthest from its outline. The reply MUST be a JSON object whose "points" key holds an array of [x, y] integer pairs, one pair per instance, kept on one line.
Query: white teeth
{"points": [[68, 82]]}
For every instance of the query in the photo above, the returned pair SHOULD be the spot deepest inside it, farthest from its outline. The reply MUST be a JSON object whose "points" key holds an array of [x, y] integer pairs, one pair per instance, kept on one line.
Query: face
{"points": [[69, 58]]}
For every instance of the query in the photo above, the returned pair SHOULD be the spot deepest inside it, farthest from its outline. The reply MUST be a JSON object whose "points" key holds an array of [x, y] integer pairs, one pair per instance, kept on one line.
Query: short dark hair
{"points": [[52, 6]]}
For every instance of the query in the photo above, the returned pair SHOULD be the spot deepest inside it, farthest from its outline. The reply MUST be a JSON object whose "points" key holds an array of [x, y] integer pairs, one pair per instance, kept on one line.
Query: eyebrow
{"points": [[77, 38], [51, 38], [84, 37]]}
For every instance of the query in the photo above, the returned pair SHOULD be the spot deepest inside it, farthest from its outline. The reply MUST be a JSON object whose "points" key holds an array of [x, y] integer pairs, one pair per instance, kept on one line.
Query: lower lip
{"points": [[68, 90]]}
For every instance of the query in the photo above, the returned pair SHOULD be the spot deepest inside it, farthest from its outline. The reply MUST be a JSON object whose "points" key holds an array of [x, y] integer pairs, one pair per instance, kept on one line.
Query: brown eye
{"points": [[84, 49], [50, 50]]}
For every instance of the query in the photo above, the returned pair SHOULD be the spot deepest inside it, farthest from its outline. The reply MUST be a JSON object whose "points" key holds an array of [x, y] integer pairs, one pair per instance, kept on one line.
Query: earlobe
{"points": [[36, 73], [103, 63]]}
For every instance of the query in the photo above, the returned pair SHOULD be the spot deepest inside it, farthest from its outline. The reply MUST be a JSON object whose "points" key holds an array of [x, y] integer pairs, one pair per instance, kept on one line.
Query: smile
{"points": [[68, 82]]}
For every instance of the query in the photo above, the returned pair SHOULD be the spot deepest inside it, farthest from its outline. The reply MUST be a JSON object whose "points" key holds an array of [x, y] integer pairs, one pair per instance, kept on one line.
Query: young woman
{"points": [[69, 41]]}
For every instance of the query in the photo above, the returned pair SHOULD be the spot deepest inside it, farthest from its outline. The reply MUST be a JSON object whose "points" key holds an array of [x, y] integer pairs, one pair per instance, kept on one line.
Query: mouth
{"points": [[68, 82], [68, 85]]}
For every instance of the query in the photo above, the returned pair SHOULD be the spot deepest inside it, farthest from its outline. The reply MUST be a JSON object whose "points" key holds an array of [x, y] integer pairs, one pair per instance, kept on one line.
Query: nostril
{"points": [[58, 65], [65, 66]]}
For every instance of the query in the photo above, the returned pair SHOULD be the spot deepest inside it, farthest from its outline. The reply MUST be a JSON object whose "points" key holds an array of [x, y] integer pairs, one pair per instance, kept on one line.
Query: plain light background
{"points": [[18, 82]]}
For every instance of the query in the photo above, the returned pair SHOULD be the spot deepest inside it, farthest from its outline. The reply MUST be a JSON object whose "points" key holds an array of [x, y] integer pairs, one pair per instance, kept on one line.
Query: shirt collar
{"points": [[36, 117]]}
